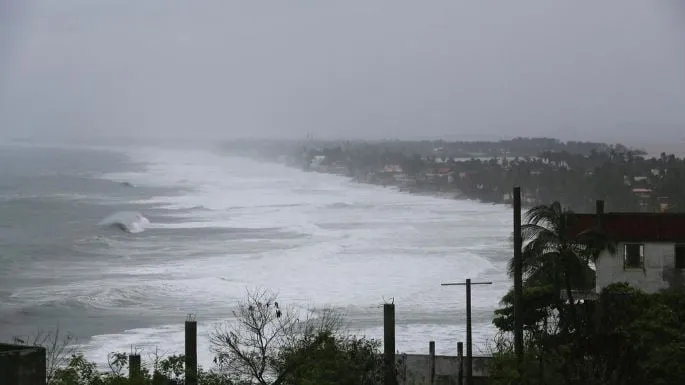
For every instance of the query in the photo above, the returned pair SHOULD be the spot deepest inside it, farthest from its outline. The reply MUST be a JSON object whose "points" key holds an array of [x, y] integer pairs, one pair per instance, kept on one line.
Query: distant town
{"points": [[575, 173]]}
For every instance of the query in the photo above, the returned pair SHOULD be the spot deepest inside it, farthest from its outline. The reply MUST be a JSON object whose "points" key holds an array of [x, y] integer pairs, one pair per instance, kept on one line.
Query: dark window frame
{"points": [[629, 261], [679, 260]]}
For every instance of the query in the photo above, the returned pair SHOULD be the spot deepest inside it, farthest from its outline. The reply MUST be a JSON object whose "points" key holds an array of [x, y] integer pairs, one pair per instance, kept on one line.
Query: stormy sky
{"points": [[351, 69]]}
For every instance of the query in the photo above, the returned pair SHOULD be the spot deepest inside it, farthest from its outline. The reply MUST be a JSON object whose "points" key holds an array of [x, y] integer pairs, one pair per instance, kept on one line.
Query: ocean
{"points": [[203, 226]]}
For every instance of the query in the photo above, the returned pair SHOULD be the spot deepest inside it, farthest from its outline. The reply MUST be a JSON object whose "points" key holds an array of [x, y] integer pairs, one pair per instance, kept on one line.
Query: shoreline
{"points": [[576, 174], [453, 194]]}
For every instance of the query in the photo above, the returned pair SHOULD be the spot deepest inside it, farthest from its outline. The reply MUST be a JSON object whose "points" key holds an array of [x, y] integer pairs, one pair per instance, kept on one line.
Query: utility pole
{"points": [[469, 343], [518, 279]]}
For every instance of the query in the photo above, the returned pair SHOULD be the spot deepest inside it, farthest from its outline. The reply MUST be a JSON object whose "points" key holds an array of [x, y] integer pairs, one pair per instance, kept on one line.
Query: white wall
{"points": [[414, 369], [656, 275]]}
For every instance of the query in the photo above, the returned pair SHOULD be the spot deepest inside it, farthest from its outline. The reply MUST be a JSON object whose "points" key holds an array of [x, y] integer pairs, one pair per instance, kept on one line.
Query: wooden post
{"points": [[469, 344], [518, 278], [431, 361], [460, 354], [191, 350], [133, 365], [390, 377]]}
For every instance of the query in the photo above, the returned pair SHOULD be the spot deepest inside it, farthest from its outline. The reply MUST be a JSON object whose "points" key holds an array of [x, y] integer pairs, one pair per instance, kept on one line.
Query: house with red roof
{"points": [[650, 248]]}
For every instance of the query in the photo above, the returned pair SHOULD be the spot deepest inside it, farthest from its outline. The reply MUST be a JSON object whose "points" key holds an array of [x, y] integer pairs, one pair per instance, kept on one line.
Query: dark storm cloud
{"points": [[343, 68]]}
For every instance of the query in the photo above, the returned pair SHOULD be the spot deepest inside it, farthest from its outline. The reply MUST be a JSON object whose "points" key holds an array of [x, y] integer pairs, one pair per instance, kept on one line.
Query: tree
{"points": [[80, 371], [337, 360], [554, 260], [552, 255], [635, 338], [247, 347], [59, 348], [537, 308]]}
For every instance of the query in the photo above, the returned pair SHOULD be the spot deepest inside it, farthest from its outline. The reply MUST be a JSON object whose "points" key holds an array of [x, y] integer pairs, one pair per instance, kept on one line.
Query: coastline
{"points": [[422, 189], [576, 174]]}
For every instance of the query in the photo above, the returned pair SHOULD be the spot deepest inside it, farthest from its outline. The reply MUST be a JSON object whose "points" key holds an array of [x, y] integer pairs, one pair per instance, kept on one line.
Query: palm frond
{"points": [[530, 232], [542, 214], [548, 251]]}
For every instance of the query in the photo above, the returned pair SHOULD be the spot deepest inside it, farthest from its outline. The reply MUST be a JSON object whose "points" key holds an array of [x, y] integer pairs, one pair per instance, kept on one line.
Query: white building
{"points": [[650, 249]]}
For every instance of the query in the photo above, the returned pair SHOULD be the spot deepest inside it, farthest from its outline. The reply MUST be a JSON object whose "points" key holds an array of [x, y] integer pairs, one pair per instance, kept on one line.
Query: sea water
{"points": [[117, 245]]}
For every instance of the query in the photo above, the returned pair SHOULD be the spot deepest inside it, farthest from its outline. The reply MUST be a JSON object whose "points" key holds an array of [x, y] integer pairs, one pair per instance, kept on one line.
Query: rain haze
{"points": [[125, 205], [352, 69]]}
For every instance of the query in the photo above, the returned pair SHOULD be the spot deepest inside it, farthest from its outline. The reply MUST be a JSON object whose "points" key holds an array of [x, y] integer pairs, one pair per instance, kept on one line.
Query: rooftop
{"points": [[635, 227]]}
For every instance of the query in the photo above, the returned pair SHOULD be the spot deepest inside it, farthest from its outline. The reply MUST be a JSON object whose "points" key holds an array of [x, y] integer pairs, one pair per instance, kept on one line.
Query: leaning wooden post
{"points": [[460, 354], [431, 361], [518, 278], [191, 350], [133, 365], [390, 377]]}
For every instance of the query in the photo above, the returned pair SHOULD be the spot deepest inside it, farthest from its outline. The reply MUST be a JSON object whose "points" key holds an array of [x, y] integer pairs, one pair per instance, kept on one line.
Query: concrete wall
{"points": [[659, 269], [22, 365], [414, 369]]}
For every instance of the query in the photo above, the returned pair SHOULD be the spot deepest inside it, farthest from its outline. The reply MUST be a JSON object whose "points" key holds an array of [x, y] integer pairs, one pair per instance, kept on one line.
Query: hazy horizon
{"points": [[609, 71]]}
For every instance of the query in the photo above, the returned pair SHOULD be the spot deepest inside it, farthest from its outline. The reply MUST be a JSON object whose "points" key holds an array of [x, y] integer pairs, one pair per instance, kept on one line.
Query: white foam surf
{"points": [[126, 221], [356, 245]]}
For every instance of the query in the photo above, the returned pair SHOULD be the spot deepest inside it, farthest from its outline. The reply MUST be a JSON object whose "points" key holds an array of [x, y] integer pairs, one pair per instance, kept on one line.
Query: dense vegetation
{"points": [[336, 360], [625, 337], [264, 344], [520, 147], [576, 173]]}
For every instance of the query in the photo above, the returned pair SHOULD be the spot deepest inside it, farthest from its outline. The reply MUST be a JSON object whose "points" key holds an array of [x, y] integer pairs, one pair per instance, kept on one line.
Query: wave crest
{"points": [[127, 221]]}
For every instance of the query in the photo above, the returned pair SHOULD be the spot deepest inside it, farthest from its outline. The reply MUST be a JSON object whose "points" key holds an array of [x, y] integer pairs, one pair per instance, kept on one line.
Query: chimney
{"points": [[600, 207], [599, 210]]}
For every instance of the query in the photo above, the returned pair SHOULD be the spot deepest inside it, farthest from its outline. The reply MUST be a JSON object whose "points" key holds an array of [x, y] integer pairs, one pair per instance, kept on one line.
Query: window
{"points": [[680, 256], [633, 255]]}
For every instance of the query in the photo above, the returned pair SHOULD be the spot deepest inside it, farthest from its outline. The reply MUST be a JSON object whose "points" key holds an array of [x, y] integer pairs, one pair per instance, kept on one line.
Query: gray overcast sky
{"points": [[452, 69]]}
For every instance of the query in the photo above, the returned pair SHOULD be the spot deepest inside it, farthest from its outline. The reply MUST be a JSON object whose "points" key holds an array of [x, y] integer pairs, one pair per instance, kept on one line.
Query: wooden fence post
{"points": [[460, 354], [390, 375], [431, 360], [191, 350]]}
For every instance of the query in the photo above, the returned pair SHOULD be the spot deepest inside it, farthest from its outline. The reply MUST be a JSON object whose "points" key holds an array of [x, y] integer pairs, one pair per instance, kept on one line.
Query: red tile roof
{"points": [[635, 227]]}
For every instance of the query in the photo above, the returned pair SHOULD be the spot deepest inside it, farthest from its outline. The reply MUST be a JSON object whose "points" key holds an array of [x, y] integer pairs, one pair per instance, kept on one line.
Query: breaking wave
{"points": [[127, 221]]}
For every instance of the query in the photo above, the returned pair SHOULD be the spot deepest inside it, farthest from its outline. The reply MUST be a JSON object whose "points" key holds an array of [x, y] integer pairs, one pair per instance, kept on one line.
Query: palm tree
{"points": [[553, 256]]}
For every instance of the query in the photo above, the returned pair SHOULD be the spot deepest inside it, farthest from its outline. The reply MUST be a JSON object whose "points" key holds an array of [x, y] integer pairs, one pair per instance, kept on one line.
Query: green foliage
{"points": [[336, 360], [80, 371], [629, 338], [271, 344], [537, 302], [552, 261], [172, 367], [625, 337], [537, 368]]}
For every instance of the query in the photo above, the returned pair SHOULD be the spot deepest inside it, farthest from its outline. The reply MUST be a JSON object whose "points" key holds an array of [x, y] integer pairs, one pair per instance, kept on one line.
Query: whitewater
{"points": [[118, 245]]}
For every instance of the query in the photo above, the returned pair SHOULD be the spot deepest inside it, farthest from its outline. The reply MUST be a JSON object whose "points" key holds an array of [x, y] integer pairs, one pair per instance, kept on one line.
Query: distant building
{"points": [[663, 204], [650, 248], [316, 161]]}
